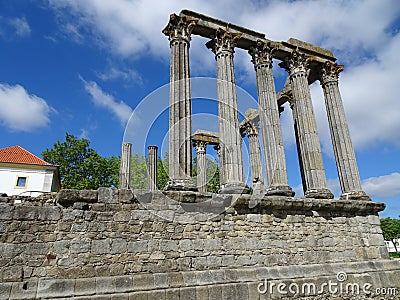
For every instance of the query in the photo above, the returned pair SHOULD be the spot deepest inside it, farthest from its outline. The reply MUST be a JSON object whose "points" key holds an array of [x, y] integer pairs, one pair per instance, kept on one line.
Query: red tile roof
{"points": [[19, 155]]}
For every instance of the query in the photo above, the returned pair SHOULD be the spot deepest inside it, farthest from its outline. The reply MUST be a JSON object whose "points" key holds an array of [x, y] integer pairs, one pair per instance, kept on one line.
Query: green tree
{"points": [[81, 167], [391, 230], [138, 172], [162, 166], [212, 171]]}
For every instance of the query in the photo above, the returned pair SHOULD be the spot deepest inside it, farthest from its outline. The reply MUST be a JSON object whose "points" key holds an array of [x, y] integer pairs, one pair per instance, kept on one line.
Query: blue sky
{"points": [[83, 67]]}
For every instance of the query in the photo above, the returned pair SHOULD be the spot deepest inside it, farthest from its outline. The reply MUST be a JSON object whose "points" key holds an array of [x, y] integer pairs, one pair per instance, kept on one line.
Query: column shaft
{"points": [[313, 173], [152, 172], [272, 142], [180, 119], [221, 169], [342, 146], [255, 159], [230, 139], [125, 166], [200, 147]]}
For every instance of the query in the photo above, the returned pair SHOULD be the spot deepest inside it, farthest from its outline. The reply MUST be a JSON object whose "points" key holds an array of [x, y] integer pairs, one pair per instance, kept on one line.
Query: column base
{"points": [[355, 195], [279, 190], [181, 185], [319, 194], [234, 188]]}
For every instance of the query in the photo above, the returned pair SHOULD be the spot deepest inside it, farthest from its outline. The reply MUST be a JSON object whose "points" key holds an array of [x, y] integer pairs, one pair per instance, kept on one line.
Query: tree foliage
{"points": [[138, 172], [391, 230], [212, 171], [81, 167], [162, 165]]}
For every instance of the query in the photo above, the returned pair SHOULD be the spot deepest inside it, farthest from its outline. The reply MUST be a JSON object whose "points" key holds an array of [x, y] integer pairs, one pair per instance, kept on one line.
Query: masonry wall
{"points": [[110, 232]]}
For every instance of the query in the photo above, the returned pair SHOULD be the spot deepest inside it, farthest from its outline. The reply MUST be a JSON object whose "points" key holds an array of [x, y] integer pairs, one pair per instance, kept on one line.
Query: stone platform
{"points": [[119, 244]]}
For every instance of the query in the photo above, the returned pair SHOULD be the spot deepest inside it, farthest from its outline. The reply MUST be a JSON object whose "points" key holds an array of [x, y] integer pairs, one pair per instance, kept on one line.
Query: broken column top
{"points": [[209, 137]]}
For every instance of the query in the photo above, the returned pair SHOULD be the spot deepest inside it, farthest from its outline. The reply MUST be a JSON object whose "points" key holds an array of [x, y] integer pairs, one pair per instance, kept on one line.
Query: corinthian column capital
{"points": [[223, 41], [200, 146], [261, 54], [251, 129], [178, 28], [330, 72], [296, 63]]}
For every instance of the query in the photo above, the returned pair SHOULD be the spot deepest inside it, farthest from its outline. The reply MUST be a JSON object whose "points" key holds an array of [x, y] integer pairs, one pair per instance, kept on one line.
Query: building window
{"points": [[21, 181]]}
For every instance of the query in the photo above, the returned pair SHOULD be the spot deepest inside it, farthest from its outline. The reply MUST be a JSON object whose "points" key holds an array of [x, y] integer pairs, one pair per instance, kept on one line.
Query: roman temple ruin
{"points": [[305, 63]]}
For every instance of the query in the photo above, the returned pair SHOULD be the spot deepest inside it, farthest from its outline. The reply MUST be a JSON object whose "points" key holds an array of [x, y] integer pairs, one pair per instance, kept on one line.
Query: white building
{"points": [[23, 173], [390, 246]]}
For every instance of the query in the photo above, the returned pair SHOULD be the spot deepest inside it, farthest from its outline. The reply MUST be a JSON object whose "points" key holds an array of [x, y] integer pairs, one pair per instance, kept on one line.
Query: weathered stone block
{"points": [[161, 281], [143, 282], [37, 249], [88, 196], [105, 285], [122, 216], [126, 196], [80, 245], [118, 246], [24, 290], [157, 295], [6, 211], [13, 273], [51, 213], [123, 284], [85, 286], [55, 288], [176, 280], [188, 293], [101, 246], [107, 195], [202, 293], [61, 247], [138, 246], [67, 197], [25, 212], [139, 296], [172, 294], [5, 290]]}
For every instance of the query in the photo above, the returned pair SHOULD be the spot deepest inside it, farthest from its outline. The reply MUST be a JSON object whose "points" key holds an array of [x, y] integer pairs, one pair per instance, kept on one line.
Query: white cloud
{"points": [[21, 26], [14, 26], [101, 99], [383, 186], [126, 75], [21, 111]]}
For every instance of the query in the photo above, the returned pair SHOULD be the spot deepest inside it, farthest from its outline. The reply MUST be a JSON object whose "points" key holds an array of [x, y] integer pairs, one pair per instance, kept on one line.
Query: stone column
{"points": [[255, 158], [349, 176], [125, 166], [152, 172], [311, 165], [200, 147], [274, 154], [223, 45], [178, 31], [221, 169]]}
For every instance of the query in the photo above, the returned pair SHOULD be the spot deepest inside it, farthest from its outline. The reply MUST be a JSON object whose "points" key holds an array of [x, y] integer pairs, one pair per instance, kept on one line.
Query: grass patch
{"points": [[394, 255]]}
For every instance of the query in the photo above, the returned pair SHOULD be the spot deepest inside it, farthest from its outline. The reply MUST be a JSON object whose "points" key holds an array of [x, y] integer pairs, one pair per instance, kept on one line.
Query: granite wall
{"points": [[74, 237]]}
